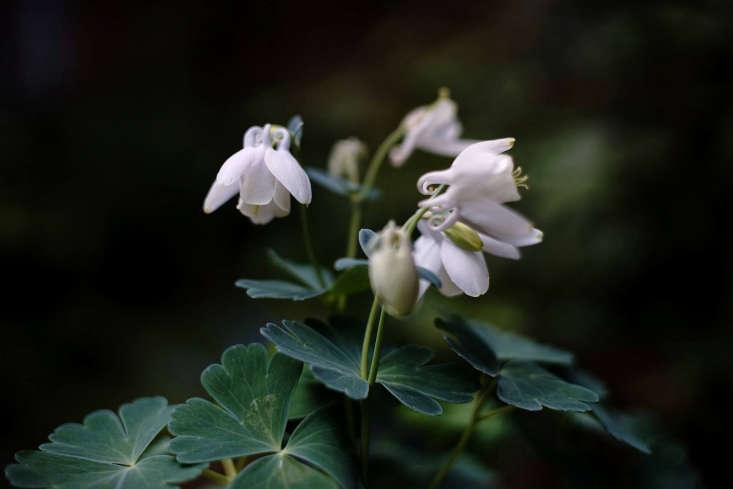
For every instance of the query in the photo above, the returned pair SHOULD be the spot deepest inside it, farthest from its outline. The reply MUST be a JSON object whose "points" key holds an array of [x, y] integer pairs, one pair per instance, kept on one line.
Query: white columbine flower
{"points": [[343, 161], [392, 271], [433, 128], [479, 181], [265, 175]]}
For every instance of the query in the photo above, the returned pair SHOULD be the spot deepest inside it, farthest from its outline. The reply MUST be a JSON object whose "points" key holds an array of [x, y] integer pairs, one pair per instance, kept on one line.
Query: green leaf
{"points": [[620, 428], [302, 272], [335, 361], [528, 386], [404, 373], [107, 451], [253, 394], [295, 127], [277, 289], [351, 281], [346, 263], [309, 396], [484, 346], [339, 185]]}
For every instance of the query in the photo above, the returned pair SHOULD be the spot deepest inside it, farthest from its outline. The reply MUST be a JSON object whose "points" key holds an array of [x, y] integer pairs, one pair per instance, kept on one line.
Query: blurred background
{"points": [[115, 118]]}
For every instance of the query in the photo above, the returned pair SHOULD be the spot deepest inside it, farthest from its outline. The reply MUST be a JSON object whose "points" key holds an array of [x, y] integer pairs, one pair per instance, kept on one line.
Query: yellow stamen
{"points": [[519, 179]]}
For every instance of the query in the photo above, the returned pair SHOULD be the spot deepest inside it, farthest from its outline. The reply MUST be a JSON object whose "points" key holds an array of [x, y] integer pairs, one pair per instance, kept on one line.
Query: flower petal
{"points": [[258, 184], [495, 220], [234, 167], [282, 197], [218, 194], [498, 248], [288, 172], [261, 214], [467, 269], [426, 252]]}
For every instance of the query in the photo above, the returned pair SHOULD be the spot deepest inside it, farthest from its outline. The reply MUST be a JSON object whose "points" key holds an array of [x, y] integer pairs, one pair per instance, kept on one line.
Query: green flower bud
{"points": [[464, 237]]}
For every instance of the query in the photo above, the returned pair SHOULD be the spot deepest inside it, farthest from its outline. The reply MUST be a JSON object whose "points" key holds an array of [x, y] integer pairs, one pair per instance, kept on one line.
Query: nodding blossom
{"points": [[392, 271], [469, 218], [265, 175], [343, 161], [433, 128]]}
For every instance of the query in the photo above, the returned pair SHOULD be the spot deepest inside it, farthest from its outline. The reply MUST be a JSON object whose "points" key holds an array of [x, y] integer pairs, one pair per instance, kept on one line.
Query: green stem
{"points": [[463, 441], [309, 245], [216, 477], [229, 469], [494, 412], [371, 174], [364, 452], [377, 349], [354, 226], [368, 339]]}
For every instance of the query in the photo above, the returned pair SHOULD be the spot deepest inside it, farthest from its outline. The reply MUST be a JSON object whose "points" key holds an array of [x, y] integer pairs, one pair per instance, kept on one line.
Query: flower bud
{"points": [[392, 271], [464, 237], [344, 159]]}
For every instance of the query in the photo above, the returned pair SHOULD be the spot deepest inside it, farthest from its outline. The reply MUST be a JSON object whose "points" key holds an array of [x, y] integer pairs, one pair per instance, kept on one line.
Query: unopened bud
{"points": [[344, 158], [464, 237], [392, 271]]}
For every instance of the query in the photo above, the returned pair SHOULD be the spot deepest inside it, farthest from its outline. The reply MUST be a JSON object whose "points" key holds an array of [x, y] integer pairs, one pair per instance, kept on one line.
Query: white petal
{"points": [[448, 288], [444, 146], [498, 248], [466, 269], [434, 178], [534, 236], [261, 214], [426, 252], [288, 172], [282, 197], [258, 184], [234, 167], [218, 194], [495, 220]]}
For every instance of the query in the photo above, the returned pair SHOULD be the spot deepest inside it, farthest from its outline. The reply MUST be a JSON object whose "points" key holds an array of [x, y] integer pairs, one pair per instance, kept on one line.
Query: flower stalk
{"points": [[308, 242]]}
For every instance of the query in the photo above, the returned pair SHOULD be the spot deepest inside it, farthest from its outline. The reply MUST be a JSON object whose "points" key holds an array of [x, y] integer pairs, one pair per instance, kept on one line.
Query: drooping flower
{"points": [[265, 175], [343, 161], [471, 211], [392, 271], [434, 128]]}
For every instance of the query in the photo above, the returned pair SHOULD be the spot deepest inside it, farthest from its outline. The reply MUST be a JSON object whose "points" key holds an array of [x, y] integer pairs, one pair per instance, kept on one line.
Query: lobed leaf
{"points": [[484, 346], [335, 361], [253, 393], [528, 386], [106, 451]]}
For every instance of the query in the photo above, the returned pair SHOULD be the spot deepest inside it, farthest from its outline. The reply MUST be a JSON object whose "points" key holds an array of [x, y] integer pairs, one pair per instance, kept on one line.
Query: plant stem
{"points": [[368, 339], [216, 476], [377, 349], [354, 226], [494, 412], [364, 452], [463, 441], [229, 469], [309, 245], [371, 174]]}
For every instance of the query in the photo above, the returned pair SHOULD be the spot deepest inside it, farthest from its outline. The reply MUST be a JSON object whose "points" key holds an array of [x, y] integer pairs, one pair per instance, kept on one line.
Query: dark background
{"points": [[115, 119]]}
